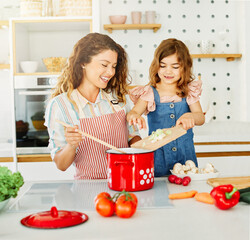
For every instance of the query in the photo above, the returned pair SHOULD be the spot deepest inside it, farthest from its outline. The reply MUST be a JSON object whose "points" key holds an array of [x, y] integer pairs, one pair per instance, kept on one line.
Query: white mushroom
{"points": [[190, 164], [194, 170], [177, 168], [209, 168], [186, 168]]}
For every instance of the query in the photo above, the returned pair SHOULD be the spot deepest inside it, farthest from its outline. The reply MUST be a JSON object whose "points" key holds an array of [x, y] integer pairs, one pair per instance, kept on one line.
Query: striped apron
{"points": [[91, 158]]}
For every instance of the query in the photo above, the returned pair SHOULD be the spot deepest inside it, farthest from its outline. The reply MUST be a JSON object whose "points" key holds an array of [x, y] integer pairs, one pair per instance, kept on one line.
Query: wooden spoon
{"points": [[92, 137]]}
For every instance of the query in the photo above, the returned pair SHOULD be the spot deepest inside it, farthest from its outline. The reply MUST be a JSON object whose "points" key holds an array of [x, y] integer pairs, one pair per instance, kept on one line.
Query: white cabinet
{"points": [[35, 39]]}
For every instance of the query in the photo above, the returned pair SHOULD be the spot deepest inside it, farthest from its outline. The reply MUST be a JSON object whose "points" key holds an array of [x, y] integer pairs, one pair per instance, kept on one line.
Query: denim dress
{"points": [[179, 150]]}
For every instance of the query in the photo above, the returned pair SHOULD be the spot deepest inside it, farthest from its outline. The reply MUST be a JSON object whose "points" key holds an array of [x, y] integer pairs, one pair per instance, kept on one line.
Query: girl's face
{"points": [[170, 70], [101, 69]]}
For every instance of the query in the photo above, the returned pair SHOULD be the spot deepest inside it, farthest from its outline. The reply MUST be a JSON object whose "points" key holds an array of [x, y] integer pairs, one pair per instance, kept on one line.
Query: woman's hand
{"points": [[72, 136], [134, 118], [187, 120]]}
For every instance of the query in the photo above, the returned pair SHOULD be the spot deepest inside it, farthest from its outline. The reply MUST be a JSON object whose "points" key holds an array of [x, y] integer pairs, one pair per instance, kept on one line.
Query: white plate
{"points": [[198, 176]]}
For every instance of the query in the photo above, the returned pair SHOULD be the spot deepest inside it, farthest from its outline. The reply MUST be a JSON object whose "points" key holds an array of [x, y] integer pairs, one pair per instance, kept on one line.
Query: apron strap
{"points": [[112, 102], [116, 107], [77, 100]]}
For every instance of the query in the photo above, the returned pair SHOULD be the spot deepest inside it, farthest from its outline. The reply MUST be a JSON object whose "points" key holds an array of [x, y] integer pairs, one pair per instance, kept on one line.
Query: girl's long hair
{"points": [[167, 48], [87, 47]]}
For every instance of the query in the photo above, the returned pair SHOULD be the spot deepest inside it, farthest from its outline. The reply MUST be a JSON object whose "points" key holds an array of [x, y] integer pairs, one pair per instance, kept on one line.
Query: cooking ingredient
{"points": [[225, 196], [182, 195], [178, 168], [245, 197], [185, 182], [157, 135], [204, 197], [243, 190], [101, 195], [190, 164], [190, 168], [9, 183], [105, 206], [187, 178], [125, 205], [171, 178], [178, 180]]}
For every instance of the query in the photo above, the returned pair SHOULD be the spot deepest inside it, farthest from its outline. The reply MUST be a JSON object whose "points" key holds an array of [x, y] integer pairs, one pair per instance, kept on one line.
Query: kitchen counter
{"points": [[186, 219]]}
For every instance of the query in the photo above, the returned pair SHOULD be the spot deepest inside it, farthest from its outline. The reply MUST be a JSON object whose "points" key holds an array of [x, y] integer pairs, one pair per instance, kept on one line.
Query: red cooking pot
{"points": [[132, 171]]}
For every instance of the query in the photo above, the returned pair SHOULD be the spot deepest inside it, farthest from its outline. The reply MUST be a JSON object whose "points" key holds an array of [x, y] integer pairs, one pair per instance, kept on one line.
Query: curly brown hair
{"points": [[167, 48], [87, 47]]}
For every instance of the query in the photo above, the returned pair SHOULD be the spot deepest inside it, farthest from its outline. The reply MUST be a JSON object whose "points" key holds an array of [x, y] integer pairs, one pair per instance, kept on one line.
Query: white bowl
{"points": [[3, 204], [118, 19], [29, 66]]}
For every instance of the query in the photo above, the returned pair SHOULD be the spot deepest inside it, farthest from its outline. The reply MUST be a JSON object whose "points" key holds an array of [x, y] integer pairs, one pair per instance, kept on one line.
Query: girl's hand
{"points": [[136, 119], [72, 136], [187, 121]]}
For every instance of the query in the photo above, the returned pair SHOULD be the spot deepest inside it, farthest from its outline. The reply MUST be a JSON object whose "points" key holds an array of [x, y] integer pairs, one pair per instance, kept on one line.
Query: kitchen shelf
{"points": [[38, 73], [4, 66], [4, 24], [111, 27], [229, 57]]}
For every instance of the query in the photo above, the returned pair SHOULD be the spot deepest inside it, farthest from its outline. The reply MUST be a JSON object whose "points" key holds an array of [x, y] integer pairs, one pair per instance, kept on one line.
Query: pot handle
{"points": [[117, 162]]}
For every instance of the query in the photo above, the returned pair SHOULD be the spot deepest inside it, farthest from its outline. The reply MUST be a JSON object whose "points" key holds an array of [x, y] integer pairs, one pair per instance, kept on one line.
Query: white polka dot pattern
{"points": [[147, 176]]}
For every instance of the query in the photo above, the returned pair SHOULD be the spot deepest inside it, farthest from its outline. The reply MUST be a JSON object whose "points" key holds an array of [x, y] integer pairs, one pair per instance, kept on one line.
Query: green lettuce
{"points": [[9, 183]]}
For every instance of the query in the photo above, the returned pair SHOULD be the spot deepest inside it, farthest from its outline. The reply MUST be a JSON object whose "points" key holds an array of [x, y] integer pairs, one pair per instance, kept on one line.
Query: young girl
{"points": [[171, 99], [90, 96]]}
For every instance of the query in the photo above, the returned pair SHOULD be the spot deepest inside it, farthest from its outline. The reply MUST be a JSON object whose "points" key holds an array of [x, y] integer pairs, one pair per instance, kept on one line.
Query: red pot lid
{"points": [[54, 219]]}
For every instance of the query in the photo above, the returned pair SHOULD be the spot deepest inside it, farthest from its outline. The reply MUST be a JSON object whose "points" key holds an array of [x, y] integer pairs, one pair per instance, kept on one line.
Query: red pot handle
{"points": [[117, 162]]}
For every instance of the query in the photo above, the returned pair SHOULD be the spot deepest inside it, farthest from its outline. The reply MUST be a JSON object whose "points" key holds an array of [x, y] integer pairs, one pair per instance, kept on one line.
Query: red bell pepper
{"points": [[225, 196]]}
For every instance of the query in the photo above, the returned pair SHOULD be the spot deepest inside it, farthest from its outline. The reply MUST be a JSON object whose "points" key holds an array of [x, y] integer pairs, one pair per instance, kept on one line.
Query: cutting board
{"points": [[147, 144], [238, 182]]}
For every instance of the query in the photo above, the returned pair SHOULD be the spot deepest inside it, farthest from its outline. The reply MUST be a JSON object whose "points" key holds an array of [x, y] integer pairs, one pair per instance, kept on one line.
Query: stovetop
{"points": [[79, 195]]}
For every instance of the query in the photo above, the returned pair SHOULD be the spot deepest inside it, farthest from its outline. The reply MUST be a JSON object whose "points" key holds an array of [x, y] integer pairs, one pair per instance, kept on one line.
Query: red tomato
{"points": [[171, 178], [185, 182], [187, 178], [134, 198], [104, 206], [178, 180], [125, 208], [101, 195]]}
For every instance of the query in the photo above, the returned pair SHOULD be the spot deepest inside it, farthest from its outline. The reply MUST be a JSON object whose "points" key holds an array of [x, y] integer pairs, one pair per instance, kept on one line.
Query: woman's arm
{"points": [[190, 119], [65, 157], [134, 116]]}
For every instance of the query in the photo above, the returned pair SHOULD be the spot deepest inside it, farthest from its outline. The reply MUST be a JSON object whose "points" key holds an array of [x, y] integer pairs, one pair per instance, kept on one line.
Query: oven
{"points": [[31, 94]]}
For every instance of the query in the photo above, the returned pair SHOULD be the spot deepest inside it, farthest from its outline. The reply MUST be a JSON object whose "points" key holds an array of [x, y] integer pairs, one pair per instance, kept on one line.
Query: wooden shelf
{"points": [[4, 66], [37, 73], [229, 57], [111, 27], [4, 24]]}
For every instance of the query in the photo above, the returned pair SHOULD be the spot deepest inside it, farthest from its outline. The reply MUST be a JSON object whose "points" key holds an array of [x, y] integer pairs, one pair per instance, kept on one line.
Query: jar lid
{"points": [[54, 219]]}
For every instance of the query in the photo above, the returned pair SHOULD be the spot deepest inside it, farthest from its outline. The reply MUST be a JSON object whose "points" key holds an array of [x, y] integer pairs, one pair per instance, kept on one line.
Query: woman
{"points": [[90, 95]]}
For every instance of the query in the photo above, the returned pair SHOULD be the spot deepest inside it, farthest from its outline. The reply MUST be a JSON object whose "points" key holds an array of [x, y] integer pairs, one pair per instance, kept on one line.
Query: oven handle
{"points": [[34, 93]]}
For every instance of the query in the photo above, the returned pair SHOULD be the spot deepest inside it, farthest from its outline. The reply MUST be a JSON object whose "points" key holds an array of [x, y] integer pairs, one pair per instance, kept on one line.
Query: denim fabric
{"points": [[180, 150]]}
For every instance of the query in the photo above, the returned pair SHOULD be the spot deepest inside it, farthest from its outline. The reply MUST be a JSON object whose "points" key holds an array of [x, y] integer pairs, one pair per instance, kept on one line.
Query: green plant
{"points": [[9, 183]]}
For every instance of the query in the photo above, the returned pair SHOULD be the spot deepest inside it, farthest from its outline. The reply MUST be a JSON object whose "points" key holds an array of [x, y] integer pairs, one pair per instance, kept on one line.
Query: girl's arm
{"points": [[134, 116], [65, 157], [195, 117]]}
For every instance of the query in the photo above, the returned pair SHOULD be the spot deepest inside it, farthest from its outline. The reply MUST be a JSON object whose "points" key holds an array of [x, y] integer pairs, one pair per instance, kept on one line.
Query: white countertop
{"points": [[188, 219]]}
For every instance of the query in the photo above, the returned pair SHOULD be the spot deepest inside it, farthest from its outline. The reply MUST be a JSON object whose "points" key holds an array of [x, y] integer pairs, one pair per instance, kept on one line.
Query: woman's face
{"points": [[101, 69], [170, 70]]}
